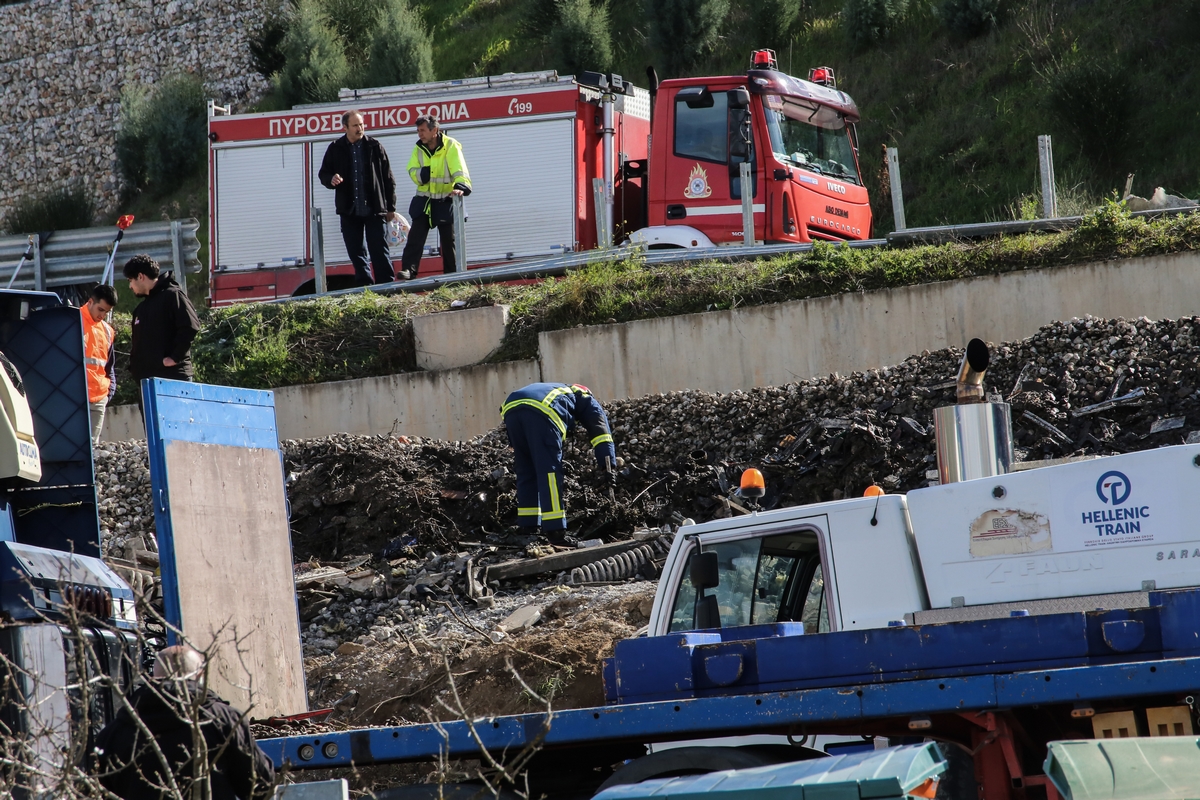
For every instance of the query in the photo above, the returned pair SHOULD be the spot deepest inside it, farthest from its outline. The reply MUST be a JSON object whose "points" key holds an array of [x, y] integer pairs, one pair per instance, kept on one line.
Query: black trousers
{"points": [[442, 212], [353, 229]]}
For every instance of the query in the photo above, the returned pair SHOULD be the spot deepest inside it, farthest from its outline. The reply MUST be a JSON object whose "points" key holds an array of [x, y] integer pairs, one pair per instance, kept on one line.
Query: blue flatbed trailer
{"points": [[1002, 687]]}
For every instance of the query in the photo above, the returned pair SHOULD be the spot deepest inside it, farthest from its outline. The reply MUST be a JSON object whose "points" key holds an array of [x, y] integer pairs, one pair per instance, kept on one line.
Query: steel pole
{"points": [[1046, 166], [747, 185], [460, 234], [601, 212], [893, 162], [177, 254], [25, 257], [608, 101], [317, 236]]}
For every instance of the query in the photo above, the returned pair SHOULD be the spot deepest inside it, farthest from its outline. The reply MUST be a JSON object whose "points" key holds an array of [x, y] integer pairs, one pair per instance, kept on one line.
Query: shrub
{"points": [[400, 48], [773, 22], [315, 65], [580, 38], [538, 19], [265, 46], [1092, 101], [970, 18], [62, 209], [162, 138], [871, 21], [684, 31], [354, 22]]}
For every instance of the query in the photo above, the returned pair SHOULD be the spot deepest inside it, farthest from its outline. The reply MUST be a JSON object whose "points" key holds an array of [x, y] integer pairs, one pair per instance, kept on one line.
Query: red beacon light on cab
{"points": [[822, 76], [763, 59]]}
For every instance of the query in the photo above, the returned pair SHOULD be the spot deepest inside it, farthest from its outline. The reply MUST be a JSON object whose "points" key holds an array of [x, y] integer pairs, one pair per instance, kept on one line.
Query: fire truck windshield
{"points": [[811, 137]]}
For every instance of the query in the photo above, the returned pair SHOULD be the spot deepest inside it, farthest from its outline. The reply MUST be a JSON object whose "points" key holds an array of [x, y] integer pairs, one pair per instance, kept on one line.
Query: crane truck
{"points": [[996, 611], [558, 163]]}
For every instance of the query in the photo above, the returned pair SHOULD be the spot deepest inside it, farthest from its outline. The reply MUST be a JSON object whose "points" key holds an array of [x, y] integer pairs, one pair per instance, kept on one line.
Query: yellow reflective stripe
{"points": [[554, 515], [556, 393], [544, 408], [528, 512], [555, 505], [604, 437]]}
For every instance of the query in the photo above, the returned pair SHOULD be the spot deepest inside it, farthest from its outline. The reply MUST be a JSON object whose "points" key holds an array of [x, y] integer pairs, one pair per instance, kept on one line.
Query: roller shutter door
{"points": [[261, 215], [523, 177]]}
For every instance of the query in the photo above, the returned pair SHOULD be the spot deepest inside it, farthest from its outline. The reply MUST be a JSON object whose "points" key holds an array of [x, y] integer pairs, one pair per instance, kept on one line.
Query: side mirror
{"points": [[738, 98], [704, 572], [695, 96]]}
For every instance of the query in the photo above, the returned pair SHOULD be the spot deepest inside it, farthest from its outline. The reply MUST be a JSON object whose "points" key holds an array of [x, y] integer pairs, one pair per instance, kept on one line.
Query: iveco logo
{"points": [[837, 212], [1113, 487], [834, 187]]}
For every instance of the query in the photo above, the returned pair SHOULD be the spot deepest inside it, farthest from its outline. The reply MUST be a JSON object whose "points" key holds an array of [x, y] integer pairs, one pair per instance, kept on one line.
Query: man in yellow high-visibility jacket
{"points": [[439, 170]]}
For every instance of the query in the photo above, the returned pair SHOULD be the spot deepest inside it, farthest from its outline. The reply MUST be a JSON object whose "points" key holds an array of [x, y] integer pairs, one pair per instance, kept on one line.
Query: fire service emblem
{"points": [[697, 188]]}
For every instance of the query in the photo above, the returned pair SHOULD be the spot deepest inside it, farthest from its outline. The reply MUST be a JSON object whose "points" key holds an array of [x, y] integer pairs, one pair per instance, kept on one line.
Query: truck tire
{"points": [[699, 760]]}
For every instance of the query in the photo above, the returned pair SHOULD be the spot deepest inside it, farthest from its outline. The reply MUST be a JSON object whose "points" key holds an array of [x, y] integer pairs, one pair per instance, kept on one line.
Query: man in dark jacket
{"points": [[356, 167], [164, 324], [171, 706]]}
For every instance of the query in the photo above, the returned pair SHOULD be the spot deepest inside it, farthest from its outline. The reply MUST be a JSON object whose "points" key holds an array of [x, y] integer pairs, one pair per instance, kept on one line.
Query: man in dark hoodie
{"points": [[164, 324], [171, 706]]}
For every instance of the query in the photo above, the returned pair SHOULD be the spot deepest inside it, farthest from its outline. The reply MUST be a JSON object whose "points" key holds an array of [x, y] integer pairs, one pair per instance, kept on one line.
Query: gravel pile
{"points": [[1086, 386]]}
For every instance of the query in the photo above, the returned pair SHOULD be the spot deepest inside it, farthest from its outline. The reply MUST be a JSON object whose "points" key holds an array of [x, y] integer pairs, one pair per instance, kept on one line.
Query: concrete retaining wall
{"points": [[740, 349], [721, 351]]}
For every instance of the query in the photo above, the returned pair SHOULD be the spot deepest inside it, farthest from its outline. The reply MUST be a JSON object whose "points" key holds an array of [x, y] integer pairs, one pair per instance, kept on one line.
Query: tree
{"points": [[683, 31], [773, 21], [871, 21], [315, 64], [161, 141], [580, 37], [400, 51], [969, 18]]}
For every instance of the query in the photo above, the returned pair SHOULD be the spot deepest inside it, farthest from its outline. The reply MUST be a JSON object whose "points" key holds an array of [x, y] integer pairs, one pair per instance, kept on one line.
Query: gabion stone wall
{"points": [[65, 63]]}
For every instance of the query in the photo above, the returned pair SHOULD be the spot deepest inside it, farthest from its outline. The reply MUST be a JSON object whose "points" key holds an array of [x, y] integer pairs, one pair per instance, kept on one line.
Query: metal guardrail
{"points": [[65, 258], [559, 265]]}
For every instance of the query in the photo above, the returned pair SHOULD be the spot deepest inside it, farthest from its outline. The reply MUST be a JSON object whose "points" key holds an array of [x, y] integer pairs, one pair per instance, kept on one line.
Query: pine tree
{"points": [[684, 31], [401, 51], [580, 37], [315, 65]]}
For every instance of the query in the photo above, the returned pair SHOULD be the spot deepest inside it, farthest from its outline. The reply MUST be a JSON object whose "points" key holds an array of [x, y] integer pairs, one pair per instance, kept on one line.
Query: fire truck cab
{"points": [[798, 136]]}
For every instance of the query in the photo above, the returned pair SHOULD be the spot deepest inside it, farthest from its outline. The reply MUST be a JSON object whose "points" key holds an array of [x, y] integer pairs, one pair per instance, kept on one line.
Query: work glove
{"points": [[424, 174], [610, 469]]}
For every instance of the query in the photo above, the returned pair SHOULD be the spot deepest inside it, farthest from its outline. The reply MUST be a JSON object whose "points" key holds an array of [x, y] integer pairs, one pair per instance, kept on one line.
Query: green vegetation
{"points": [[400, 50], [161, 140], [61, 209], [314, 58], [261, 346], [962, 87]]}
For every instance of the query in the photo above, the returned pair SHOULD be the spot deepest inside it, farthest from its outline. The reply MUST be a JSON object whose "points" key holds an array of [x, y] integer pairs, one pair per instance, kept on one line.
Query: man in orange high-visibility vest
{"points": [[99, 354]]}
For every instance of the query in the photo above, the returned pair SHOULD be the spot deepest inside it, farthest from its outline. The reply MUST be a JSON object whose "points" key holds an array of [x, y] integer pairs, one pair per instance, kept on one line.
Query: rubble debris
{"points": [[1159, 200], [524, 617]]}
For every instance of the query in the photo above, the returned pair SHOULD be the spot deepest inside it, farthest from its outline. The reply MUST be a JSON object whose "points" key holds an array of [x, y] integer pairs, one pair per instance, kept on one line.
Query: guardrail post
{"points": [[1046, 165], [599, 201], [893, 162], [177, 254], [460, 234], [39, 265], [747, 186], [317, 231]]}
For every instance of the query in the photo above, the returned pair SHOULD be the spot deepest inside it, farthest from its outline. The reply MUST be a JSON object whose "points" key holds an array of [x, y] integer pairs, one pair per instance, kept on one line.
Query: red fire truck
{"points": [[543, 152]]}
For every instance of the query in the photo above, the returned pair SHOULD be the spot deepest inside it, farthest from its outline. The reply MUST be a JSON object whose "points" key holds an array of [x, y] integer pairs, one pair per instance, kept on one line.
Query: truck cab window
{"points": [[813, 138], [702, 132], [763, 581]]}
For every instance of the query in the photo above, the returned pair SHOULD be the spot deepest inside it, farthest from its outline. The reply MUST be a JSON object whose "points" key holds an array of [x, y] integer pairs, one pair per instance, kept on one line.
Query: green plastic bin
{"points": [[1143, 768], [888, 774]]}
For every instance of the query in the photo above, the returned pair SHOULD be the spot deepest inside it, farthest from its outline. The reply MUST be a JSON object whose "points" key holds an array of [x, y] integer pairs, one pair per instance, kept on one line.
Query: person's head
{"points": [[352, 123], [142, 272], [179, 662], [102, 301], [427, 129]]}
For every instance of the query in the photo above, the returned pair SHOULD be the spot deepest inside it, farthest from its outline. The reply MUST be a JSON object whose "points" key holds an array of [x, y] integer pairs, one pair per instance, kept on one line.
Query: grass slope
{"points": [[965, 114], [263, 346]]}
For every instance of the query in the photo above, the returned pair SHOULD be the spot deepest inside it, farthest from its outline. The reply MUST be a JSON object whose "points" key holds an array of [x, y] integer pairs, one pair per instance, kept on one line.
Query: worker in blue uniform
{"points": [[538, 418]]}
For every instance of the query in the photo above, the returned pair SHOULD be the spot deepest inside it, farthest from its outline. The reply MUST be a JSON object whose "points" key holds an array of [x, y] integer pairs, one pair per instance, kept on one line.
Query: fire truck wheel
{"points": [[699, 760]]}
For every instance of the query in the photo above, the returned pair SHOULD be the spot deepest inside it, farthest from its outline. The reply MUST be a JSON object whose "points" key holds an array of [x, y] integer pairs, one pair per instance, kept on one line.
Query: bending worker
{"points": [[538, 418], [439, 170]]}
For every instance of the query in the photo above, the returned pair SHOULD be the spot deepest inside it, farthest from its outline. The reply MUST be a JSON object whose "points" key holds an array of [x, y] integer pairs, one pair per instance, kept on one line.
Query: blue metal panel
{"points": [[746, 714], [204, 414], [1179, 615], [44, 340], [660, 664]]}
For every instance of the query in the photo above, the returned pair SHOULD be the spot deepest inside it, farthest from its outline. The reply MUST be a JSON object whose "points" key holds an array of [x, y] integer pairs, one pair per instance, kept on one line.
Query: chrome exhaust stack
{"points": [[974, 438]]}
